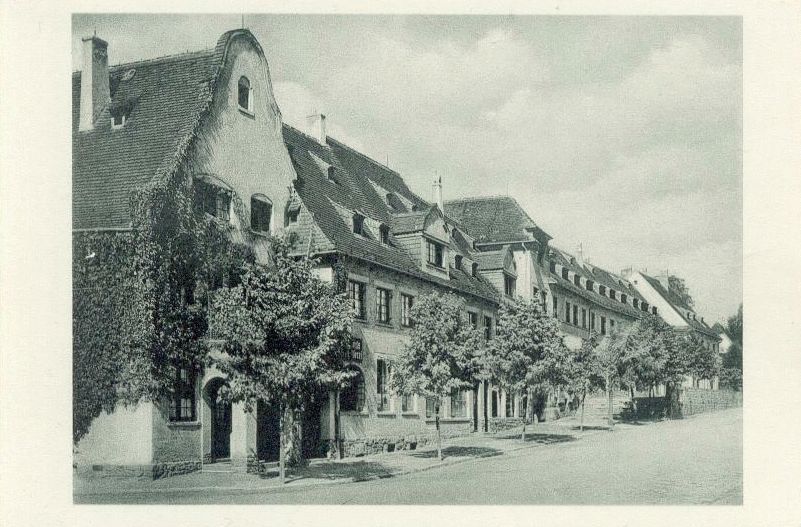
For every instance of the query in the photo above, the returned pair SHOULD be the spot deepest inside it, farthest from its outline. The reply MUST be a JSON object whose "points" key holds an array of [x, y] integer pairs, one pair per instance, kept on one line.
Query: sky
{"points": [[622, 134]]}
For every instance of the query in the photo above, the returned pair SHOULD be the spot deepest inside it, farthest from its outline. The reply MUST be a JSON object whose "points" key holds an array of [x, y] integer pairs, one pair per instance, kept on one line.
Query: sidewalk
{"points": [[327, 472]]}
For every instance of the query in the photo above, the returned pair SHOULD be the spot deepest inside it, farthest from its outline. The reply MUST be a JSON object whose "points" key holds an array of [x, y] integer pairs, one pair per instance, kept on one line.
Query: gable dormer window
{"points": [[358, 224], [261, 212], [509, 285], [457, 261], [118, 119], [435, 253], [552, 267], [635, 302], [474, 271], [577, 280], [332, 174], [623, 298], [612, 294], [589, 285], [565, 274], [244, 94], [602, 290], [384, 232]]}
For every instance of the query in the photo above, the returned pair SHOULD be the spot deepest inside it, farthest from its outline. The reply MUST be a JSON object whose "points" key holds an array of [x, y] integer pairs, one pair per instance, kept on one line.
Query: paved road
{"points": [[693, 461]]}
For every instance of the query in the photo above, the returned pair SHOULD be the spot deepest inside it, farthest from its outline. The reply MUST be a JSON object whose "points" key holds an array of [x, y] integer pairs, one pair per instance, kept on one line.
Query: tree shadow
{"points": [[545, 439], [356, 470], [592, 427], [458, 451]]}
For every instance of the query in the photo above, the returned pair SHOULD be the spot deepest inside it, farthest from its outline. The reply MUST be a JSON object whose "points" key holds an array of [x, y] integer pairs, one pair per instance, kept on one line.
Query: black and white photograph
{"points": [[420, 256], [454, 262]]}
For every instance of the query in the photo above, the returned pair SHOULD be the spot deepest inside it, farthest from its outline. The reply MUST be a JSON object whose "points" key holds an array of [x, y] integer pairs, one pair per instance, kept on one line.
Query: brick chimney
{"points": [[315, 127], [95, 94], [438, 192], [580, 255]]}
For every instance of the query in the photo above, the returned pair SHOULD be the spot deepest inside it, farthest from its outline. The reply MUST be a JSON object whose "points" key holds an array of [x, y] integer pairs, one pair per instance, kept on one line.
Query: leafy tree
{"points": [[611, 355], [282, 333], [679, 287], [734, 326], [702, 361], [582, 367], [442, 355], [527, 350], [731, 378]]}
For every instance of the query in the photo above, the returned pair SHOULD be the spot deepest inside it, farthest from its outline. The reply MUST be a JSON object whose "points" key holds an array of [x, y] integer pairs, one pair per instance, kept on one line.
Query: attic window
{"points": [[564, 273], [635, 302], [332, 174], [623, 297], [457, 261], [261, 211], [475, 269], [118, 119], [589, 284], [653, 310], [244, 94], [602, 290], [577, 280], [292, 216], [358, 224], [384, 233], [612, 294]]}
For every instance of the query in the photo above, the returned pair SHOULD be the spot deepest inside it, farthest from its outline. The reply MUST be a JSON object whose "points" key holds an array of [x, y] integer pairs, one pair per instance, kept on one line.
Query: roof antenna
{"points": [[243, 21]]}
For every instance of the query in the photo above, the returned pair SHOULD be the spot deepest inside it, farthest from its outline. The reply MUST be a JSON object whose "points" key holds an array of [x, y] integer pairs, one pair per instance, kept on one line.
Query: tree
{"points": [[732, 371], [734, 326], [703, 362], [282, 332], [442, 355], [611, 356], [678, 287], [527, 350], [583, 369]]}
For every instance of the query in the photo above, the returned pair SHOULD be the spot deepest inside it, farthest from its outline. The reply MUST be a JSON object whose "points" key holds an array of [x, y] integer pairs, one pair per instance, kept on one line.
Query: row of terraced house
{"points": [[215, 110]]}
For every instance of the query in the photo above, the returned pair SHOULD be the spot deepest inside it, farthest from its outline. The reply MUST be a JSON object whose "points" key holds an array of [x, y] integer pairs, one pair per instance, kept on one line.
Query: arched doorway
{"points": [[219, 420]]}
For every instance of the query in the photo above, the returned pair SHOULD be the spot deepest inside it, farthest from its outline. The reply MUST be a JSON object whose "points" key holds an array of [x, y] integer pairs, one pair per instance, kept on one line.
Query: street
{"points": [[692, 461]]}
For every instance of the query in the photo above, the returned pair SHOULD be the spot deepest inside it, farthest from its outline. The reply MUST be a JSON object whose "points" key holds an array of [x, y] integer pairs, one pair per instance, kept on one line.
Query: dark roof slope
{"points": [[410, 221], [492, 219], [326, 200], [491, 260], [167, 98]]}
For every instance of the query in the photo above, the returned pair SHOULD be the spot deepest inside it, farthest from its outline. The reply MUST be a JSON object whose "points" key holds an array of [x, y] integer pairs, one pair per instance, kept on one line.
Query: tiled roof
{"points": [[167, 97], [491, 260], [353, 191], [679, 306], [410, 221], [492, 219]]}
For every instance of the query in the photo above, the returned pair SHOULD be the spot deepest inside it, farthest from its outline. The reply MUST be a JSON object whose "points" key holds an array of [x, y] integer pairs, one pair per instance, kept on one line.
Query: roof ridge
{"points": [[154, 60], [480, 198]]}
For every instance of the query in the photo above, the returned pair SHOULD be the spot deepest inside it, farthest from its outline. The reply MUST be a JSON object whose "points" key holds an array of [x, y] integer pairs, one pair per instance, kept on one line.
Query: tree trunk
{"points": [[439, 436], [610, 395], [525, 414], [337, 428], [583, 398], [633, 402], [281, 446]]}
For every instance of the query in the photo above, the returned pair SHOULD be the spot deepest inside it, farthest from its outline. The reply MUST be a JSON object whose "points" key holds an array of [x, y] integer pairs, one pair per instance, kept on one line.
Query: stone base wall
{"points": [[696, 401], [150, 471], [379, 444]]}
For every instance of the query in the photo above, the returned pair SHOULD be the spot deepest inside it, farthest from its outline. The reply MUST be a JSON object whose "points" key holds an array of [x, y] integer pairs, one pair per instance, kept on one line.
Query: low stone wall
{"points": [[696, 401], [647, 408], [154, 471], [499, 424]]}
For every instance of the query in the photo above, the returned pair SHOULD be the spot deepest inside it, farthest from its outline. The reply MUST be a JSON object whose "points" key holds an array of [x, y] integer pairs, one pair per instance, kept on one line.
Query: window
{"points": [[243, 93], [589, 285], [331, 173], [555, 306], [567, 312], [534, 291], [487, 328], [383, 371], [577, 280], [358, 224], [602, 290], [635, 302], [575, 315], [351, 399], [407, 403], [457, 261], [213, 200], [592, 321], [355, 350], [261, 211], [653, 310], [292, 216], [458, 403], [356, 294], [509, 285], [510, 405], [434, 254], [118, 119], [603, 325], [382, 305], [182, 404], [624, 298], [611, 324], [564, 273], [552, 267], [583, 318], [475, 269], [384, 232], [407, 301], [473, 319], [431, 408], [612, 294]]}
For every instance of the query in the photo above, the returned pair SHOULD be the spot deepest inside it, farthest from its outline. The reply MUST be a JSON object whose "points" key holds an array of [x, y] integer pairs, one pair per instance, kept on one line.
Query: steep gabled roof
{"points": [[408, 222], [497, 219], [167, 98], [491, 260], [325, 199], [679, 306]]}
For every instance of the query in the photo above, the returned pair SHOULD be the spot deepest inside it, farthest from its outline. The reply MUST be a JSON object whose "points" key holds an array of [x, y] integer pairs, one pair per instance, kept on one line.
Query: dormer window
{"points": [[244, 94], [509, 285], [332, 174], [623, 298], [435, 254], [384, 232], [474, 271], [552, 267], [358, 224], [261, 212], [602, 290], [457, 261], [589, 285], [577, 280], [612, 294], [635, 302], [653, 310], [565, 273], [118, 119]]}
